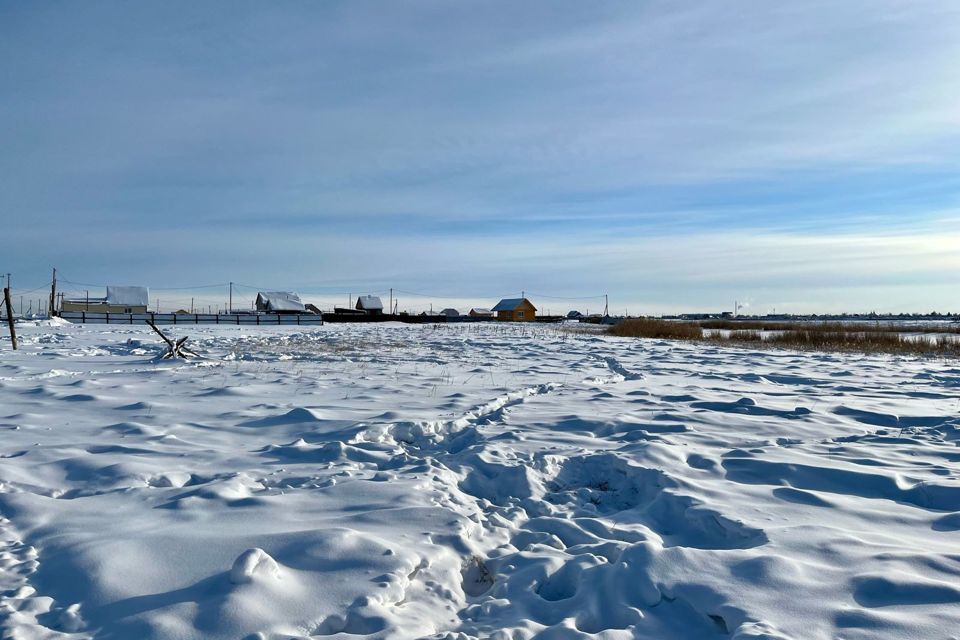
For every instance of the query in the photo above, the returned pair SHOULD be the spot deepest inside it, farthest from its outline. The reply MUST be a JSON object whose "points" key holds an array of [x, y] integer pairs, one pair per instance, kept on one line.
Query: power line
{"points": [[191, 288], [182, 288], [542, 295], [316, 289], [25, 291]]}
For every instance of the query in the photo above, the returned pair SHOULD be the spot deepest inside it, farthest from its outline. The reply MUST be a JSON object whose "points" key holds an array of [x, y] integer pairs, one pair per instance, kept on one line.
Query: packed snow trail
{"points": [[472, 481]]}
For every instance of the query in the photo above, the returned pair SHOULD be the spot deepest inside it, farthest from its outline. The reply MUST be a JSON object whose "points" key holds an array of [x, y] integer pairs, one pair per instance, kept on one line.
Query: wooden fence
{"points": [[266, 319], [245, 319]]}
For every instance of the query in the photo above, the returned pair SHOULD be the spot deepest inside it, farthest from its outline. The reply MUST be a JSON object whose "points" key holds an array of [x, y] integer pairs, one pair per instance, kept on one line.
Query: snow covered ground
{"points": [[472, 481]]}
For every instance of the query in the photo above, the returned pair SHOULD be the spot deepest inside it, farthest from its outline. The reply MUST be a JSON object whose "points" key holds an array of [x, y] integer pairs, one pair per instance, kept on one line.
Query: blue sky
{"points": [[678, 156]]}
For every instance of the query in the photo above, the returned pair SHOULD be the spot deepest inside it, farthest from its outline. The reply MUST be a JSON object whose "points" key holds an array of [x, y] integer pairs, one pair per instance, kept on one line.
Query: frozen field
{"points": [[474, 481]]}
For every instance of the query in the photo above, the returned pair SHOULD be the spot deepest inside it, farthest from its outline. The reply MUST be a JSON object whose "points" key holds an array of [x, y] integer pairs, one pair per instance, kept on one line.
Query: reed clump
{"points": [[814, 325], [656, 328], [855, 337], [860, 341]]}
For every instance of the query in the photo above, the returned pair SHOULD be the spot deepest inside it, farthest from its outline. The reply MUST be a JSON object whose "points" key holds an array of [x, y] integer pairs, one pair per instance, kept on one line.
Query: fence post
{"points": [[13, 331]]}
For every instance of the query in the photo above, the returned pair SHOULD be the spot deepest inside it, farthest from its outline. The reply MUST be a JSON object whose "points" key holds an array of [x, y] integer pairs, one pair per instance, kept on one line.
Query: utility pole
{"points": [[191, 305], [231, 298], [88, 300], [391, 299], [53, 294], [13, 331], [606, 305], [8, 281]]}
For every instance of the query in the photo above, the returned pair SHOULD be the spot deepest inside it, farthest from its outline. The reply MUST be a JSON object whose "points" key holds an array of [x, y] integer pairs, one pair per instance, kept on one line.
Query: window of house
{"points": [[519, 314]]}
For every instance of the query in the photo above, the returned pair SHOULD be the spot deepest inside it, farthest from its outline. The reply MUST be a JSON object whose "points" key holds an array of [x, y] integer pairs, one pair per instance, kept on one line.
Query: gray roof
{"points": [[481, 311], [370, 303], [279, 301], [450, 312], [510, 304]]}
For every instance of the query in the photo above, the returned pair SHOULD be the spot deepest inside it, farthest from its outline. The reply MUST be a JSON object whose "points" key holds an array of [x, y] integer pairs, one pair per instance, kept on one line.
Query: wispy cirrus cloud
{"points": [[440, 132]]}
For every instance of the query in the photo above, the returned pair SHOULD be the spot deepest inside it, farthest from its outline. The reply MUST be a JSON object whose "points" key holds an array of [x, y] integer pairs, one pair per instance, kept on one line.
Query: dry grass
{"points": [[654, 328], [812, 325], [847, 340], [855, 337]]}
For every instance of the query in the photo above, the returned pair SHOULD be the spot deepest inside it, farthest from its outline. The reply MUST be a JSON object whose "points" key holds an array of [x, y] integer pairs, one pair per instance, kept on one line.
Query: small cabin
{"points": [[117, 300], [279, 302], [450, 313], [372, 305], [478, 312], [515, 310]]}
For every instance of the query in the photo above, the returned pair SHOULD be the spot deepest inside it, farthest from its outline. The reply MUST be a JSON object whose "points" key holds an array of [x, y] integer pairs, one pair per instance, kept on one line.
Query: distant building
{"points": [[371, 304], [477, 312], [450, 313], [574, 315], [117, 300], [279, 302], [312, 308], [515, 310]]}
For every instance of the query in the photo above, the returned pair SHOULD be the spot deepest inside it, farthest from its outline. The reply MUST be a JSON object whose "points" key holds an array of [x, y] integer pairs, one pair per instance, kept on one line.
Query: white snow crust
{"points": [[471, 481]]}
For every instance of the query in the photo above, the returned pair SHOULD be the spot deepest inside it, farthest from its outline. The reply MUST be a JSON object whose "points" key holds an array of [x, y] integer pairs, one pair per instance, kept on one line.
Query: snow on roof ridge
{"points": [[131, 296], [369, 302]]}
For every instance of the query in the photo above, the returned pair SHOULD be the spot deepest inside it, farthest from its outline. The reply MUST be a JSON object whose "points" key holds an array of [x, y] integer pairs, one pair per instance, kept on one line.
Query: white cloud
{"points": [[314, 125]]}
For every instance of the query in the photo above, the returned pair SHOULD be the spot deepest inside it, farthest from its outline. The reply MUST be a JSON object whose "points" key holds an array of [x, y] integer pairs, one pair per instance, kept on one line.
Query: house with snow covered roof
{"points": [[117, 300], [515, 310], [479, 312], [371, 304], [450, 313], [279, 302]]}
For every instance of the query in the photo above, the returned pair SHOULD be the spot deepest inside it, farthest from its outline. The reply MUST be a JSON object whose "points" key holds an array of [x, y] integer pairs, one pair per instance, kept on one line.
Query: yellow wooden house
{"points": [[515, 310]]}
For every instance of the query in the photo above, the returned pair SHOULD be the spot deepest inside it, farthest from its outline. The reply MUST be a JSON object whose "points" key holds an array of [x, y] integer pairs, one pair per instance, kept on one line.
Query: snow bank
{"points": [[471, 481]]}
